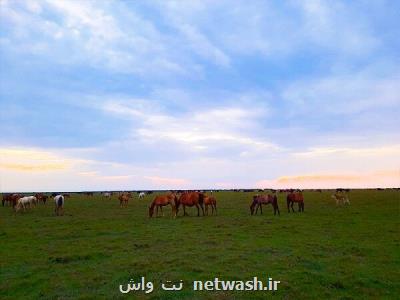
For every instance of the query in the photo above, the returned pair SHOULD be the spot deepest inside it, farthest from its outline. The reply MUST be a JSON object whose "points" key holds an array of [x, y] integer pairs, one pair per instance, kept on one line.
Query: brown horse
{"points": [[210, 201], [164, 200], [259, 200], [191, 199], [123, 199], [41, 197], [293, 197], [11, 199]]}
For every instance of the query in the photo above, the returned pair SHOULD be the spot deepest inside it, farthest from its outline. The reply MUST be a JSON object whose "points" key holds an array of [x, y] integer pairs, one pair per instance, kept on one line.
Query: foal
{"points": [[210, 201]]}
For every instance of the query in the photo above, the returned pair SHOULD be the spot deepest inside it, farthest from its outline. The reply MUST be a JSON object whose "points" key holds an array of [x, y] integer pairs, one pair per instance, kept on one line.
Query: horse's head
{"points": [[253, 204], [151, 211]]}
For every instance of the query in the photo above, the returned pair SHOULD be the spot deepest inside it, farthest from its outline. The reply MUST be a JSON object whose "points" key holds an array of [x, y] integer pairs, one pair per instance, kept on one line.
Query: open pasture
{"points": [[325, 252]]}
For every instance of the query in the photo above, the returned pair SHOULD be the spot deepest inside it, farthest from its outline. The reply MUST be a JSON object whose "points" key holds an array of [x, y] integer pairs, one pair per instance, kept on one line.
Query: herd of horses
{"points": [[22, 203], [200, 200]]}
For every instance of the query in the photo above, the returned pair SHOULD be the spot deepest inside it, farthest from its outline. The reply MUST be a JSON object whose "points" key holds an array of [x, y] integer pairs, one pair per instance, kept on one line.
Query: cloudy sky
{"points": [[199, 94]]}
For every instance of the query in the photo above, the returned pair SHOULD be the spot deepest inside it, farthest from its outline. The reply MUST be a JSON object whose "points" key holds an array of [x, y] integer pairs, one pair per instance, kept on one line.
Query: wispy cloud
{"points": [[380, 178]]}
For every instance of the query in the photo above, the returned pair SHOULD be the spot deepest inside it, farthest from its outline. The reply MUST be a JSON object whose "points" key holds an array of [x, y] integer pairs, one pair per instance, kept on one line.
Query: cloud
{"points": [[214, 128], [343, 94], [368, 151], [168, 182], [380, 178], [32, 168]]}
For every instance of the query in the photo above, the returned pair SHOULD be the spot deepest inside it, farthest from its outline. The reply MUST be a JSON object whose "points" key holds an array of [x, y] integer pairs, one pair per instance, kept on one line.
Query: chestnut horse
{"points": [[123, 199], [293, 197], [259, 200], [164, 200], [210, 201], [191, 199]]}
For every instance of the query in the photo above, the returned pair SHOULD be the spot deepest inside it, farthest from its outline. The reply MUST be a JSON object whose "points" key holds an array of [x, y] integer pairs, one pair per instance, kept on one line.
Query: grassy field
{"points": [[326, 252]]}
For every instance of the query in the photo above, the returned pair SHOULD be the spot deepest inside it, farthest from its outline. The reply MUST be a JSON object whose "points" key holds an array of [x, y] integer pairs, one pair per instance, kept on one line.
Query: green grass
{"points": [[326, 252]]}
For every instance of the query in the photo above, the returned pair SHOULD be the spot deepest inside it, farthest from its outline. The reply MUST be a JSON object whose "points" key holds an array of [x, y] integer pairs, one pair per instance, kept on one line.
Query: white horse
{"points": [[141, 195], [340, 199], [107, 195], [59, 202], [24, 201]]}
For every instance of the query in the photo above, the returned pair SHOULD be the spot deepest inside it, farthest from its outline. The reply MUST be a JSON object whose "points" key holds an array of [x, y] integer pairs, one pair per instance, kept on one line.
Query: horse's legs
{"points": [[198, 210], [202, 208], [288, 206], [184, 210], [261, 207], [292, 206], [156, 211], [162, 213], [206, 209]]}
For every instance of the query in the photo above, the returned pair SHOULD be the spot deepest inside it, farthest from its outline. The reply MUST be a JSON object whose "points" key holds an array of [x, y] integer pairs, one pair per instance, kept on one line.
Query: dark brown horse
{"points": [[41, 198], [210, 201], [293, 197], [191, 199], [11, 199], [259, 200], [164, 200]]}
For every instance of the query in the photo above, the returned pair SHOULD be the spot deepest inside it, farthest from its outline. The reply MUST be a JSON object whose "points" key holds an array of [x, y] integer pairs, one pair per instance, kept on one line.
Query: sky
{"points": [[118, 95]]}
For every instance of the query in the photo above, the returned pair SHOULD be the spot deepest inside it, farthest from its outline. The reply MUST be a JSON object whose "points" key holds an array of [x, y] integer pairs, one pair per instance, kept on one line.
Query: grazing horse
{"points": [[59, 205], [340, 198], [141, 195], [293, 197], [123, 199], [210, 201], [24, 201], [164, 200], [191, 199], [259, 200]]}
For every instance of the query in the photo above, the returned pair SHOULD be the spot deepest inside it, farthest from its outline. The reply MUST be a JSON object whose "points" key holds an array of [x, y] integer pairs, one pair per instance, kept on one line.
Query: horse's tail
{"points": [[60, 201]]}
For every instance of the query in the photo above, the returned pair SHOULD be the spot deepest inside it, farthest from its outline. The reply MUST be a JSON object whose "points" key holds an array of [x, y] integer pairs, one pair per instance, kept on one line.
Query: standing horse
{"points": [[259, 200], [24, 201], [191, 199], [293, 197], [11, 199], [59, 205], [41, 197], [164, 200], [123, 199], [141, 195], [210, 201], [340, 198]]}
